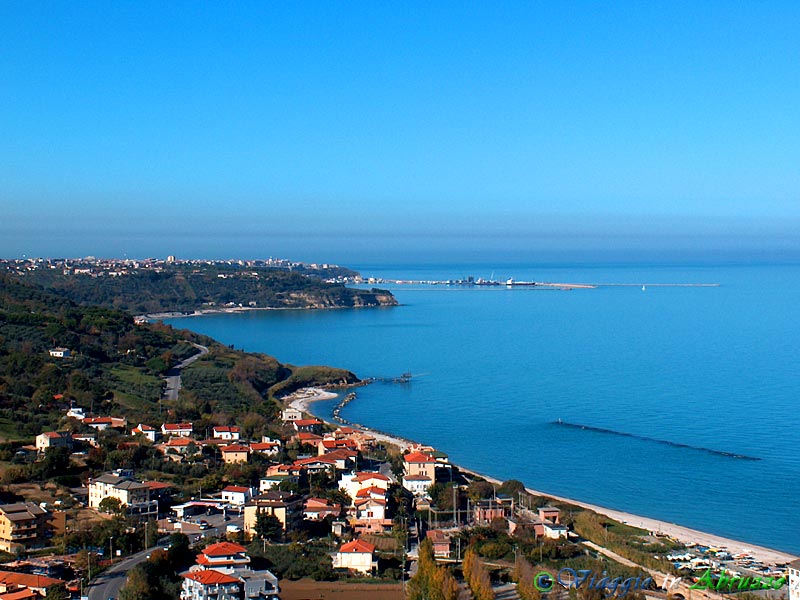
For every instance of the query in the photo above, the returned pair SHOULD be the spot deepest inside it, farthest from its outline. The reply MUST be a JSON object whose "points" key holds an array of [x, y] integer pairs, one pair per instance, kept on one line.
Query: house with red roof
{"points": [[267, 448], [178, 429], [11, 581], [344, 458], [357, 555], [208, 583], [417, 484], [151, 433], [417, 463], [307, 425], [223, 554], [236, 495], [53, 439], [353, 483], [312, 439], [317, 464], [226, 432], [316, 509], [235, 453], [327, 445]]}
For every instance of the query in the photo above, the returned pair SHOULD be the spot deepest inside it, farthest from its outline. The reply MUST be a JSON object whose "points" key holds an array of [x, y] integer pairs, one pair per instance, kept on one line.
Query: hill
{"points": [[186, 288], [116, 367]]}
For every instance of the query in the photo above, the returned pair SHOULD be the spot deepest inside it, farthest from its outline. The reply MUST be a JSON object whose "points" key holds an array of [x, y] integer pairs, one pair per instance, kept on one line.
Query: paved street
{"points": [[173, 376]]}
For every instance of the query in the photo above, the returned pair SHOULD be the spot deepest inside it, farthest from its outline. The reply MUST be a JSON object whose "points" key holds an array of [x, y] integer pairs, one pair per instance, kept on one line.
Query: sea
{"points": [[676, 403]]}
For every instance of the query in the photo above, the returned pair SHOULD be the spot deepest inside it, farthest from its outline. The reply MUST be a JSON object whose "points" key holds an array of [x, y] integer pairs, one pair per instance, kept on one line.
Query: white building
{"points": [[147, 431], [236, 495], [59, 352], [794, 580], [209, 584], [133, 495], [225, 432], [291, 414], [357, 555], [177, 429], [53, 439], [352, 483], [417, 484]]}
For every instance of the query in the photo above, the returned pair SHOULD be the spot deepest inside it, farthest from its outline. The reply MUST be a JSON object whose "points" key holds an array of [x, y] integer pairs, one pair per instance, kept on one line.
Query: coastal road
{"points": [[173, 376]]}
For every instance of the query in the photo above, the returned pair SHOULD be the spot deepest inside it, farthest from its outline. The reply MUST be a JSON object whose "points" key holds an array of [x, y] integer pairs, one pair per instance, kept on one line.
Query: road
{"points": [[173, 376], [111, 581]]}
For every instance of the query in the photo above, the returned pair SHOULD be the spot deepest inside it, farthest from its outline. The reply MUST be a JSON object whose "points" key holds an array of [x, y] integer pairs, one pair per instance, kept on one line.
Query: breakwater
{"points": [[654, 440]]}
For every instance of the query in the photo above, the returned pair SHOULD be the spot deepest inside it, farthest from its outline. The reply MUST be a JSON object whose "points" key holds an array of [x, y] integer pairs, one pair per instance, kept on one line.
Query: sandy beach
{"points": [[302, 399]]}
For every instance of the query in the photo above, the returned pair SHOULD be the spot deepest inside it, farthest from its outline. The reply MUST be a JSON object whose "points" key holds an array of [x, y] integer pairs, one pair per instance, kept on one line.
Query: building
{"points": [[151, 433], [286, 507], [53, 439], [307, 425], [550, 513], [133, 495], [794, 580], [316, 509], [272, 482], [357, 555], [417, 484], [554, 531], [235, 453], [236, 495], [178, 429], [291, 414], [103, 423], [23, 525], [222, 556], [441, 543], [227, 433], [352, 483], [60, 352], [209, 584], [11, 581], [417, 463], [232, 561], [268, 448]]}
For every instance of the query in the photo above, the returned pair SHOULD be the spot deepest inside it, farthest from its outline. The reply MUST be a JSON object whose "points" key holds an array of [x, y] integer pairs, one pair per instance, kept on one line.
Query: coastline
{"points": [[302, 400]]}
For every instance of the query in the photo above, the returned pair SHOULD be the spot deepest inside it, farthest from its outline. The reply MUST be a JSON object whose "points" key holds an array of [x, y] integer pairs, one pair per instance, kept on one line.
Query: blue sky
{"points": [[361, 131]]}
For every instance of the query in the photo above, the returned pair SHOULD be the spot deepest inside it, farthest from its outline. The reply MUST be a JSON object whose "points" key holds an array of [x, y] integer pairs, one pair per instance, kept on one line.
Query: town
{"points": [[325, 502]]}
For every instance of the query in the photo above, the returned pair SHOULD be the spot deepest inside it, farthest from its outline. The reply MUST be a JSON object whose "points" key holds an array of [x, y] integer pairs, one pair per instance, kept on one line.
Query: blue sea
{"points": [[712, 371]]}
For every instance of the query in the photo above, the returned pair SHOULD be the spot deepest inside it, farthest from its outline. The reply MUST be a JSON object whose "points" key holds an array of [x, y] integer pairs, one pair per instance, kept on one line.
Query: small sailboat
{"points": [[644, 288]]}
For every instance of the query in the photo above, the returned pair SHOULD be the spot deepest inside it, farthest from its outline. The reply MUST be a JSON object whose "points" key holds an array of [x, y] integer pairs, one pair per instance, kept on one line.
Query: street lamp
{"points": [[111, 543]]}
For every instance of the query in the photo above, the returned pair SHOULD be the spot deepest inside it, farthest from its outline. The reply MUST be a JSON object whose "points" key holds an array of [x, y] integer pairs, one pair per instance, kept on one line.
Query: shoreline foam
{"points": [[303, 399]]}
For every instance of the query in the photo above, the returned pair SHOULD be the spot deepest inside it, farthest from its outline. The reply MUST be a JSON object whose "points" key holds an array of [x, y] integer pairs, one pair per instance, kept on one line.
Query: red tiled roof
{"points": [[418, 457], [234, 448], [224, 549], [20, 595], [236, 488], [223, 428], [210, 577], [29, 581], [315, 459], [366, 492], [340, 454], [177, 426], [157, 485], [258, 446], [181, 441], [307, 422], [304, 436], [365, 475], [357, 546]]}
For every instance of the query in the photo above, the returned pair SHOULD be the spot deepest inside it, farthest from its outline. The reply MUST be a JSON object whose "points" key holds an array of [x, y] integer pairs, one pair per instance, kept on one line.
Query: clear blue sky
{"points": [[357, 131]]}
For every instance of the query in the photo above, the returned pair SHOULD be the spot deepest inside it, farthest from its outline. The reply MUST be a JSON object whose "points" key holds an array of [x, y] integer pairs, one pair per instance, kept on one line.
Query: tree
{"points": [[477, 576], [56, 592], [268, 527], [431, 582], [112, 506]]}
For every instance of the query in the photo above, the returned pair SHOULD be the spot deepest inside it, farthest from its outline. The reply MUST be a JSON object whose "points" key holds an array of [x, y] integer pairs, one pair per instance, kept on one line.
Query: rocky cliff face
{"points": [[351, 298]]}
